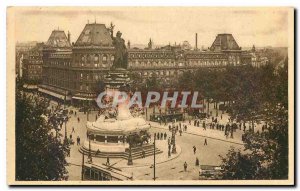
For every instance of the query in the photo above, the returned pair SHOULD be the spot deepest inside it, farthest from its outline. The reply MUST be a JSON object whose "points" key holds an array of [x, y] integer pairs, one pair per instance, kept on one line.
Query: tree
{"points": [[266, 153], [40, 155]]}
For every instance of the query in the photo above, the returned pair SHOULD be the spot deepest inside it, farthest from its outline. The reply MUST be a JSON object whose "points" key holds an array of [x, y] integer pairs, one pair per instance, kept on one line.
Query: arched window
{"points": [[96, 60], [104, 58]]}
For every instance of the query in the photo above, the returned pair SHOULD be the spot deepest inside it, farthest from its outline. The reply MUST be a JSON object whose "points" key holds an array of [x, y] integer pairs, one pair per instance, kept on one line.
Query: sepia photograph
{"points": [[150, 96]]}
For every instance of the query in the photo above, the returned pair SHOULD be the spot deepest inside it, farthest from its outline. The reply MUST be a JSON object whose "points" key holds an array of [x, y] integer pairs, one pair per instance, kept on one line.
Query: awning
{"points": [[83, 98], [31, 87], [51, 93]]}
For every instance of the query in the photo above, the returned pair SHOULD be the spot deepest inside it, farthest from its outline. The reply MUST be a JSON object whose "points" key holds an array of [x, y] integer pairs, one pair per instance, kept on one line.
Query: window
{"points": [[96, 58], [104, 58]]}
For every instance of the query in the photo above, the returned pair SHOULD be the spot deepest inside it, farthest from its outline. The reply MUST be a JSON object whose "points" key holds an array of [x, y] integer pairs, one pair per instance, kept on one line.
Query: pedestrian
{"points": [[75, 113], [73, 130], [97, 152], [169, 147], [205, 141], [194, 148], [107, 161], [197, 161], [185, 166], [78, 140], [78, 119]]}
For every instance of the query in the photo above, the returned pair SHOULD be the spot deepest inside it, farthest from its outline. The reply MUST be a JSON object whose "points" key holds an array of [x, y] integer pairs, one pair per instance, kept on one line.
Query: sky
{"points": [[164, 25]]}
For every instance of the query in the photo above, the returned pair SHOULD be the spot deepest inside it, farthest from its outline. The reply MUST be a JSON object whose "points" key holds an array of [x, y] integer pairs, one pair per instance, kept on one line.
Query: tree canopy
{"points": [[40, 154]]}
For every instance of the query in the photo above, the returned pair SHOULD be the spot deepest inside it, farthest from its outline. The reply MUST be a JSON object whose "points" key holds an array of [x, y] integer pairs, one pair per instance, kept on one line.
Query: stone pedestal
{"points": [[117, 79]]}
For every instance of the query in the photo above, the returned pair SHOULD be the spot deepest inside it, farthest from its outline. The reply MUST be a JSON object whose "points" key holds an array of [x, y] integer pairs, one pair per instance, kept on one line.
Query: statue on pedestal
{"points": [[120, 60]]}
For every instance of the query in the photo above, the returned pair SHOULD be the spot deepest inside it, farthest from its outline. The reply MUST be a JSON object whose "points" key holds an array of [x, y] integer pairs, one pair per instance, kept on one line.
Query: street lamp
{"points": [[90, 160], [65, 128], [130, 155], [87, 110], [154, 159], [173, 141]]}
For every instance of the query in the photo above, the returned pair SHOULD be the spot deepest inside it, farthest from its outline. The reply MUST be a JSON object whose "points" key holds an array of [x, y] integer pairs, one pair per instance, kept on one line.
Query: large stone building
{"points": [[74, 71], [57, 59]]}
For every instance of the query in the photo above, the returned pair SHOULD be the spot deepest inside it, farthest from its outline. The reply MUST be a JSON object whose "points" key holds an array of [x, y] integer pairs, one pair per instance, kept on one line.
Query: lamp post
{"points": [[65, 129], [154, 159], [174, 142], [90, 160], [130, 155], [87, 110], [82, 167], [146, 113]]}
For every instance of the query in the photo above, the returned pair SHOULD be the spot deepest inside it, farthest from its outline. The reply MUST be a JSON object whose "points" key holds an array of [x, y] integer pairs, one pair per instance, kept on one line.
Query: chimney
{"points": [[196, 42], [69, 37]]}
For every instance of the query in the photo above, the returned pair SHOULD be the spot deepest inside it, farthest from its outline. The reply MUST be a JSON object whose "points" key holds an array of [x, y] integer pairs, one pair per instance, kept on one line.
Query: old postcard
{"points": [[150, 96]]}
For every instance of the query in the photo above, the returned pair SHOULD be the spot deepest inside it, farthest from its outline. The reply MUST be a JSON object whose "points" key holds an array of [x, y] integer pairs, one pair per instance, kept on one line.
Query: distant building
{"points": [[32, 65], [169, 61], [22, 51], [258, 59]]}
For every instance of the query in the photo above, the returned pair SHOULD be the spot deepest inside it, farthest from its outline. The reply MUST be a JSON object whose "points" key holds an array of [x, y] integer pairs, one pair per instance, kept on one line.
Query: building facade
{"points": [[32, 65], [57, 59], [74, 71], [22, 52]]}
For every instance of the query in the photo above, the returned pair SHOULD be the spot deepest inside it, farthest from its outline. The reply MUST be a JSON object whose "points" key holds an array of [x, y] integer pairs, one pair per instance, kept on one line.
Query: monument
{"points": [[116, 133]]}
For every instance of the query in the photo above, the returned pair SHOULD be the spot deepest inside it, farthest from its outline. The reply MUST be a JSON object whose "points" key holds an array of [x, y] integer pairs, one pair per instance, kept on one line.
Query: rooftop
{"points": [[94, 34], [58, 39], [224, 42]]}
